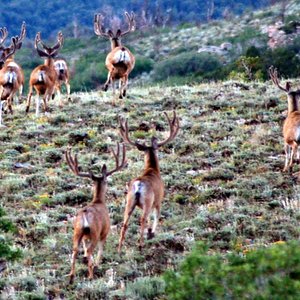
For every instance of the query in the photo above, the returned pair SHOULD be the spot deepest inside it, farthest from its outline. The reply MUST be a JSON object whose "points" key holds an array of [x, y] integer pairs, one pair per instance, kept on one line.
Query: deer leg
{"points": [[68, 91], [130, 206], [60, 104], [287, 150], [121, 84], [125, 85], [1, 109], [156, 215], [100, 252], [107, 82], [292, 156], [90, 250], [9, 103], [143, 224], [76, 242], [28, 99], [37, 105]]}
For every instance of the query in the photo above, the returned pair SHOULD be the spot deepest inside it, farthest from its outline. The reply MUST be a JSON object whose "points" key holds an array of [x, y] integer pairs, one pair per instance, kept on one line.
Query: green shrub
{"points": [[142, 65], [200, 64], [265, 273]]}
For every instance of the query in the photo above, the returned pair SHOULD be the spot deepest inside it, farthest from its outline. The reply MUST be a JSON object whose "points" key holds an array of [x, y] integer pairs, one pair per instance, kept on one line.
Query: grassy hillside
{"points": [[223, 177]]}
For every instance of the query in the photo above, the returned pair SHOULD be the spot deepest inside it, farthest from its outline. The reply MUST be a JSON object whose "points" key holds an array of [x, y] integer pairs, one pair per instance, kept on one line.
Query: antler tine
{"points": [[37, 40], [22, 35], [73, 164], [274, 77], [124, 131], [131, 23], [117, 159], [98, 19], [174, 127], [58, 45], [4, 34], [12, 48]]}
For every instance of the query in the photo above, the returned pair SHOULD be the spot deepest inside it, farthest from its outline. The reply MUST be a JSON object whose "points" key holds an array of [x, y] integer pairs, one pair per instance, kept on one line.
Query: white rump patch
{"points": [[122, 56], [85, 221], [297, 135], [41, 76], [13, 64], [60, 65], [10, 77]]}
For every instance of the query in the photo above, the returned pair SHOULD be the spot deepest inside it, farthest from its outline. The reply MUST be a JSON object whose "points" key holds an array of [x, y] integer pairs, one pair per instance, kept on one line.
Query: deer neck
{"points": [[115, 43], [293, 104], [99, 192], [49, 62], [151, 160]]}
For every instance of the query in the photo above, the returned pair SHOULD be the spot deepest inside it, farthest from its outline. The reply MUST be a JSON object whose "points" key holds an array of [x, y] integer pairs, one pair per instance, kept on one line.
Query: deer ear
{"points": [[110, 33], [118, 34], [104, 170]]}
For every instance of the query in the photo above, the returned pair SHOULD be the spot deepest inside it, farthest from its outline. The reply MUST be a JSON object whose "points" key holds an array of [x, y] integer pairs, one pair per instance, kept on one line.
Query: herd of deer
{"points": [[92, 223]]}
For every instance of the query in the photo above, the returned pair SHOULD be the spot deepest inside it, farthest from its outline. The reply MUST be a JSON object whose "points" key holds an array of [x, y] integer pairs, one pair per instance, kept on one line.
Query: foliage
{"points": [[264, 273], [6, 249], [200, 64]]}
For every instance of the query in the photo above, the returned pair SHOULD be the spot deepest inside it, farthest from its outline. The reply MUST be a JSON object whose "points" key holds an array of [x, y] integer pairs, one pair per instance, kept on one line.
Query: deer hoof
{"points": [[105, 88], [85, 260], [71, 281], [150, 234]]}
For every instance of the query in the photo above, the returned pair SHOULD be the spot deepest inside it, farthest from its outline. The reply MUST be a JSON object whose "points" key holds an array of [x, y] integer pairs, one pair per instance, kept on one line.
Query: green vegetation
{"points": [[264, 273]]}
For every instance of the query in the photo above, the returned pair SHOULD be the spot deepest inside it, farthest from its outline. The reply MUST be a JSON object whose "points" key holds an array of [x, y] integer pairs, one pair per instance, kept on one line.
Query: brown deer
{"points": [[119, 61], [291, 125], [11, 74], [91, 223], [63, 76], [147, 190], [44, 78]]}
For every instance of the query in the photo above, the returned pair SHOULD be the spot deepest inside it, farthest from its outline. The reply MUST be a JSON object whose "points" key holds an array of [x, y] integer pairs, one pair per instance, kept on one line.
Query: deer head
{"points": [[46, 51], [114, 37], [8, 51]]}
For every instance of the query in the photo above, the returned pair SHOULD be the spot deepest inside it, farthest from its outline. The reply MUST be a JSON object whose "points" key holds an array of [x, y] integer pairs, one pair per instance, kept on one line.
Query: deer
{"points": [[119, 61], [44, 78], [291, 125], [63, 75], [147, 190], [11, 74], [92, 223]]}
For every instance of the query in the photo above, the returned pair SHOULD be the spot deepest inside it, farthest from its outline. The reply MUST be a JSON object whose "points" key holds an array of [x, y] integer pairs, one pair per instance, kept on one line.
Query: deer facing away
{"points": [[119, 61], [291, 125], [147, 190], [92, 223], [44, 78]]}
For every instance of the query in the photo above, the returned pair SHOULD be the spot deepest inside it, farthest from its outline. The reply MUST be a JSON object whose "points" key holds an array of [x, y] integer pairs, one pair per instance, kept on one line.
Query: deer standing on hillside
{"points": [[11, 74], [147, 190], [92, 224], [44, 78], [63, 76], [291, 125], [119, 61]]}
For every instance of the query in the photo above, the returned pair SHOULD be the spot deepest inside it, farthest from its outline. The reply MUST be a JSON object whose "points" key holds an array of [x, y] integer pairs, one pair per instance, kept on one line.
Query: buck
{"points": [[147, 190], [291, 125], [11, 74], [63, 76], [44, 78], [91, 223], [119, 61]]}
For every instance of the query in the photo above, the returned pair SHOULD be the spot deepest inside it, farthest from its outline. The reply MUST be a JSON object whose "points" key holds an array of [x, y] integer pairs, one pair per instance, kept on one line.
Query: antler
{"points": [[131, 23], [49, 51], [58, 45], [98, 20], [117, 158], [10, 50], [4, 33], [19, 39], [124, 133], [174, 127], [274, 77], [73, 164]]}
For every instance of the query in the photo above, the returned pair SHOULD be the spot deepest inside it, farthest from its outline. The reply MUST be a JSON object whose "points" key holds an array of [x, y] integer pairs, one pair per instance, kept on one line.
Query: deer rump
{"points": [[10, 82], [121, 62]]}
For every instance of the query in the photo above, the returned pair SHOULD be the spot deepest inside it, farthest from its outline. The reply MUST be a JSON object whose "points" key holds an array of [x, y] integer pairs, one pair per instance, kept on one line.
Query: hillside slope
{"points": [[223, 177]]}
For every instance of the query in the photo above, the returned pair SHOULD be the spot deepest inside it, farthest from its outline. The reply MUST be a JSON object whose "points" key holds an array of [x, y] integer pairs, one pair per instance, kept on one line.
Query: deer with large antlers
{"points": [[91, 223], [119, 61], [147, 190], [44, 78], [11, 74], [291, 125]]}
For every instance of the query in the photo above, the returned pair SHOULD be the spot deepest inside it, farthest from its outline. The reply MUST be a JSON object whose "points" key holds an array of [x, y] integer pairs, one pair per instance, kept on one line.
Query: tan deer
{"points": [[44, 78], [147, 190], [92, 223], [119, 61], [11, 74], [291, 125], [63, 76]]}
